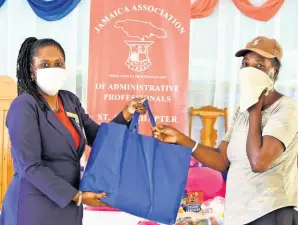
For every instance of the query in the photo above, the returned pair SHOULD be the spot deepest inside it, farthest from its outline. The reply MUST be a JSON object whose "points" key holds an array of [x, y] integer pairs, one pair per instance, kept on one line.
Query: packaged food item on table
{"points": [[204, 222], [194, 201], [181, 210], [211, 213], [215, 206], [184, 221]]}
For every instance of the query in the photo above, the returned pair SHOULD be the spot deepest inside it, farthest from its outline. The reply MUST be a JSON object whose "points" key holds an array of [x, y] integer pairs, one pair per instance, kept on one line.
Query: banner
{"points": [[139, 48]]}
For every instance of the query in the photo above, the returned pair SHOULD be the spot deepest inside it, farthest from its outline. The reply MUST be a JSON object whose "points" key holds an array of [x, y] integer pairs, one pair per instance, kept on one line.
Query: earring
{"points": [[32, 78]]}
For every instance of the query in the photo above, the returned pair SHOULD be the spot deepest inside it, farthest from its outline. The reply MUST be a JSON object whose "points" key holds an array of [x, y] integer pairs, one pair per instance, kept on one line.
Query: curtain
{"points": [[53, 10], [263, 12], [202, 8], [214, 41]]}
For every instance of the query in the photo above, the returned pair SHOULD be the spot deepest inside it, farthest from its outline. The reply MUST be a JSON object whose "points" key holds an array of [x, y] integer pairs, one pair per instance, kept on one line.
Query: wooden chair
{"points": [[209, 115], [8, 91]]}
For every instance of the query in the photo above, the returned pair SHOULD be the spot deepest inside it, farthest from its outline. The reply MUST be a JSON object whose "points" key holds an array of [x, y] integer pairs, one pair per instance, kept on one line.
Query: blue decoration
{"points": [[1, 2], [52, 10]]}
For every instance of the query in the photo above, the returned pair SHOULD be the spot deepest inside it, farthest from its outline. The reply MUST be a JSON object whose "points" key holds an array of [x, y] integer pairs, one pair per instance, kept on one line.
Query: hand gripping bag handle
{"points": [[135, 119]]}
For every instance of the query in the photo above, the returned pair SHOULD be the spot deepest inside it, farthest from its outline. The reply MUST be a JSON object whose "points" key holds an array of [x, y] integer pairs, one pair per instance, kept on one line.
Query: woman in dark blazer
{"points": [[48, 129]]}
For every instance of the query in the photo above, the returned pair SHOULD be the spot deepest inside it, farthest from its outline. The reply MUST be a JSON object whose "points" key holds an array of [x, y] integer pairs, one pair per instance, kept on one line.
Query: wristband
{"points": [[195, 147], [80, 198]]}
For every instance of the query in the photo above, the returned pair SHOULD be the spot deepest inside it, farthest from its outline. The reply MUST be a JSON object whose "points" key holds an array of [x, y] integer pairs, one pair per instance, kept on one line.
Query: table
{"points": [[109, 218]]}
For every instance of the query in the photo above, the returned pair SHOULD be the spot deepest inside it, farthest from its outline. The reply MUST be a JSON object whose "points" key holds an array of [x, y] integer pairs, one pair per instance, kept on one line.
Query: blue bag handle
{"points": [[135, 118]]}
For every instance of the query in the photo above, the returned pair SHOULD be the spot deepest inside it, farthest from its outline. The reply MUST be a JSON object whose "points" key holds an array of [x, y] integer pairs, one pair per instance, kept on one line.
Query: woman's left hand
{"points": [[135, 105], [93, 199]]}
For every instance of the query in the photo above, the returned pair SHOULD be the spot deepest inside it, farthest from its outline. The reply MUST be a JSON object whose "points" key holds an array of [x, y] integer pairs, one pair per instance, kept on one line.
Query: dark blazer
{"points": [[46, 162]]}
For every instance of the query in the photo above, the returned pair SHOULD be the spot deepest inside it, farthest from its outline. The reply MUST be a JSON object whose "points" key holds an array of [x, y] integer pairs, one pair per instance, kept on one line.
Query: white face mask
{"points": [[252, 83], [50, 80]]}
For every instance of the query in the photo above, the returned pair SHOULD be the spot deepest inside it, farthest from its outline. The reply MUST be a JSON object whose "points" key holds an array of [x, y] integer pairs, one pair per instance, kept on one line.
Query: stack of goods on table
{"points": [[195, 212], [203, 202]]}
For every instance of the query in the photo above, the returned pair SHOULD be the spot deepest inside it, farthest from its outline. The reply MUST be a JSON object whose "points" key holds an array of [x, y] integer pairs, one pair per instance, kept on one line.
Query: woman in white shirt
{"points": [[261, 146]]}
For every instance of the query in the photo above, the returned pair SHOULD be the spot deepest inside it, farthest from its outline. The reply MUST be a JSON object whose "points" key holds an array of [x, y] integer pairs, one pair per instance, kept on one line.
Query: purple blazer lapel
{"points": [[57, 124], [72, 113]]}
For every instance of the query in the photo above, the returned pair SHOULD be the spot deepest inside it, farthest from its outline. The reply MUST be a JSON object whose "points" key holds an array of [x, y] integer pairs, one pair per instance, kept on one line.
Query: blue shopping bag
{"points": [[141, 175]]}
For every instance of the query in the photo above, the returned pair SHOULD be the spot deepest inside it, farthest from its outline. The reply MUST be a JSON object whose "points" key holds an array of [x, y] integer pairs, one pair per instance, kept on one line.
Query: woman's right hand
{"points": [[167, 134]]}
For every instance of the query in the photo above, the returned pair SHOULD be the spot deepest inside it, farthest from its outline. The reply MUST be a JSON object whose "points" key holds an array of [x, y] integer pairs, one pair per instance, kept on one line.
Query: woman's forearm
{"points": [[210, 157], [254, 140]]}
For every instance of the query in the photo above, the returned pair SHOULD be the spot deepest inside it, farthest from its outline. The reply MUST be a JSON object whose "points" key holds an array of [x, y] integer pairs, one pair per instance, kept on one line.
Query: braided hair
{"points": [[25, 81]]}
